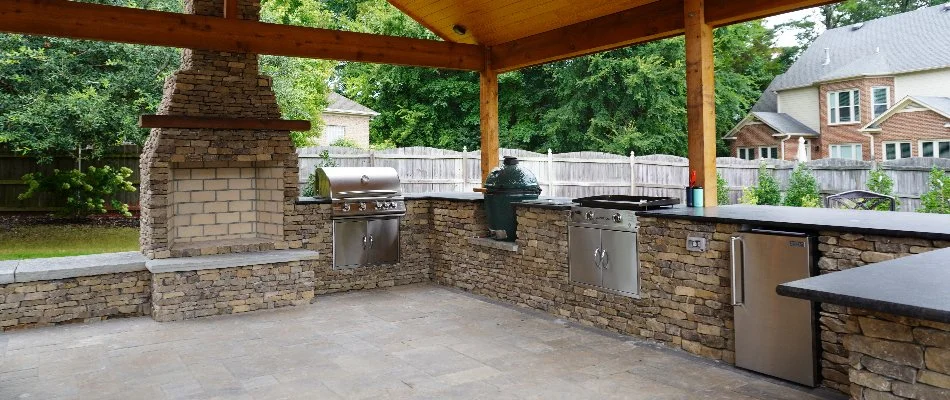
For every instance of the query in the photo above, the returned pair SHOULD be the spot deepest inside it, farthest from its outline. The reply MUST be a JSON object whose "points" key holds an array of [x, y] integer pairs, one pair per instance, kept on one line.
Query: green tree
{"points": [[62, 96], [722, 190], [803, 188], [937, 198], [300, 84], [766, 190], [881, 183]]}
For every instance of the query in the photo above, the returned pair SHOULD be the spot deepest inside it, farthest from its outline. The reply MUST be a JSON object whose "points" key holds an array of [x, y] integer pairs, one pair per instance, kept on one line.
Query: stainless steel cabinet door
{"points": [[350, 243], [383, 236], [775, 335], [584, 255], [619, 265]]}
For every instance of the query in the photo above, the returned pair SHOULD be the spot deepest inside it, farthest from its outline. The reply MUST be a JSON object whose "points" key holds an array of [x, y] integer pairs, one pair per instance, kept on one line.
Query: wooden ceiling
{"points": [[490, 22]]}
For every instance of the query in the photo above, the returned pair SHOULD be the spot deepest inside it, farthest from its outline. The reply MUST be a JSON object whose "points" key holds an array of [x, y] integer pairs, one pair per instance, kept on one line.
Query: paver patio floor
{"points": [[419, 341]]}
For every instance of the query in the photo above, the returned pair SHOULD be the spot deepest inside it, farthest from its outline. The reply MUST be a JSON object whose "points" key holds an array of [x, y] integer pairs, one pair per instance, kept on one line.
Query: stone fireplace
{"points": [[217, 175]]}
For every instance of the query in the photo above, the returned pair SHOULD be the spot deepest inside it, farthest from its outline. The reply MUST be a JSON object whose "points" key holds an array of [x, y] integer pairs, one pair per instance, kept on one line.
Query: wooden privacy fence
{"points": [[426, 169], [14, 166], [571, 175]]}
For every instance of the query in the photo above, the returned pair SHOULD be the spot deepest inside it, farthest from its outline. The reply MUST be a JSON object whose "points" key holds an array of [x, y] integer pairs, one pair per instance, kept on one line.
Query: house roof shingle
{"points": [[342, 105], [907, 42], [783, 123]]}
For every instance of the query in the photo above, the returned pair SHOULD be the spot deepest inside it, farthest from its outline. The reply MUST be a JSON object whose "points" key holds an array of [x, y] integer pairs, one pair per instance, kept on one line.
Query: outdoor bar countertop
{"points": [[886, 223], [554, 203], [915, 286]]}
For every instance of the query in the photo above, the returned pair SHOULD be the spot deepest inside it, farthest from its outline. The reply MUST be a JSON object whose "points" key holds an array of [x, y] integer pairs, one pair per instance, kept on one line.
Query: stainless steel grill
{"points": [[367, 205], [361, 191]]}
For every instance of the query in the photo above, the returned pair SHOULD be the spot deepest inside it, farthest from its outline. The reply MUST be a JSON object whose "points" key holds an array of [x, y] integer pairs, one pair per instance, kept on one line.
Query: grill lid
{"points": [[350, 182]]}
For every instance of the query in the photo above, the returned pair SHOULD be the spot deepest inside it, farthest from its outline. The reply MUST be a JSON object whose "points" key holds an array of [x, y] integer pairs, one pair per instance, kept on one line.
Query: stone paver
{"points": [[410, 342]]}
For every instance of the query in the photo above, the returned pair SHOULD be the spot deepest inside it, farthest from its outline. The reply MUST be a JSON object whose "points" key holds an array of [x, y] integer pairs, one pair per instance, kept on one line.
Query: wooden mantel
{"points": [[188, 122]]}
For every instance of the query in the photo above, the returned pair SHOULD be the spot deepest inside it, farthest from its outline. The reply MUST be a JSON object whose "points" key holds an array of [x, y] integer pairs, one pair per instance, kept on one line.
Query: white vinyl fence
{"points": [[571, 175]]}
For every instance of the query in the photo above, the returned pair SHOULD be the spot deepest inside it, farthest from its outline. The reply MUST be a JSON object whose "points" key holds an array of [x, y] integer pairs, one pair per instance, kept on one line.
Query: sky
{"points": [[787, 37]]}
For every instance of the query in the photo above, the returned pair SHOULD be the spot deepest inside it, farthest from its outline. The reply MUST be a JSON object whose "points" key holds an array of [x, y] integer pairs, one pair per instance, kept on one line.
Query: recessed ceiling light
{"points": [[459, 29]]}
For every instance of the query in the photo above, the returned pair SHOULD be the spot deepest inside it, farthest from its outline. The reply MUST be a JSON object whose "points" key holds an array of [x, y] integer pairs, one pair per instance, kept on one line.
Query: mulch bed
{"points": [[9, 221]]}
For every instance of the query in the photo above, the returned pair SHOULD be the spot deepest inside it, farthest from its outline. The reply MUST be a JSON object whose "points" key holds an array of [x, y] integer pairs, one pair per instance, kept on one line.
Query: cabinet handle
{"points": [[597, 257], [604, 259], [365, 241], [372, 242], [735, 260]]}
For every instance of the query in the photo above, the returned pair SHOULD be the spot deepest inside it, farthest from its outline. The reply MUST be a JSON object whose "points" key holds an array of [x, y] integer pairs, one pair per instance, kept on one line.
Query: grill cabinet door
{"points": [[619, 265], [383, 235], [584, 242], [350, 243]]}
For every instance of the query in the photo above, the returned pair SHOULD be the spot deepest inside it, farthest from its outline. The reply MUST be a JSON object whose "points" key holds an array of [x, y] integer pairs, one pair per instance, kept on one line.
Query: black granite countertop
{"points": [[916, 286], [313, 200], [904, 224], [550, 203], [453, 196]]}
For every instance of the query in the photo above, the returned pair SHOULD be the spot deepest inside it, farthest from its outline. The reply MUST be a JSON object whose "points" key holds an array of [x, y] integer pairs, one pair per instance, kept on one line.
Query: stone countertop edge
{"points": [[231, 260], [46, 269], [887, 223], [916, 286], [312, 200], [450, 196]]}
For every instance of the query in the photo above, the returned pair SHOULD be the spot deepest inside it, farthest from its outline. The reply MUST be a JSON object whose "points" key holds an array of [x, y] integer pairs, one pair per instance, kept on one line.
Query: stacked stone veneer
{"points": [[84, 299], [177, 164], [684, 295], [841, 251], [895, 357]]}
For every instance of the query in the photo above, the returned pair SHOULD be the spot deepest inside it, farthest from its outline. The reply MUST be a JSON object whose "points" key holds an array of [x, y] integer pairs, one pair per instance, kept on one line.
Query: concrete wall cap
{"points": [[7, 268], [46, 269], [230, 260]]}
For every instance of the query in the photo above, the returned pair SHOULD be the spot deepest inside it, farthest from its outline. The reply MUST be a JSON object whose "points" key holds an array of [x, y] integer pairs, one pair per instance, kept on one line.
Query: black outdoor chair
{"points": [[860, 200]]}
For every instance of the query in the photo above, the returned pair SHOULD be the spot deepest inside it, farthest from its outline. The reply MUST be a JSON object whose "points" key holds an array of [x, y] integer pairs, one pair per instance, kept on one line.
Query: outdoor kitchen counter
{"points": [[888, 223], [555, 203], [916, 286]]}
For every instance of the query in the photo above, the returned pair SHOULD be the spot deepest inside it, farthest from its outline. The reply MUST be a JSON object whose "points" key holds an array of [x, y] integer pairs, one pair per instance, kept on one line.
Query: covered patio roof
{"points": [[487, 36]]}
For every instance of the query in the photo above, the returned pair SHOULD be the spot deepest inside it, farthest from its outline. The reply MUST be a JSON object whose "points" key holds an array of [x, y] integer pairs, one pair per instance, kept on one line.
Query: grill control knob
{"points": [[618, 217], [380, 205], [346, 207], [362, 206], [589, 216], [392, 204]]}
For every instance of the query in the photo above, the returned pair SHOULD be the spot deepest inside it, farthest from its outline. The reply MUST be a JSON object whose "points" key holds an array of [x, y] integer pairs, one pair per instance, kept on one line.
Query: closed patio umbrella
{"points": [[802, 152]]}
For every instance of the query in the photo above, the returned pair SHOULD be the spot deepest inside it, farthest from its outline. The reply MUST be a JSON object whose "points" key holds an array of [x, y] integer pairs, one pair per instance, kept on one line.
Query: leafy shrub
{"points": [[748, 196], [85, 193], [310, 189], [766, 190], [722, 190], [344, 142], [879, 182], [937, 198], [802, 188]]}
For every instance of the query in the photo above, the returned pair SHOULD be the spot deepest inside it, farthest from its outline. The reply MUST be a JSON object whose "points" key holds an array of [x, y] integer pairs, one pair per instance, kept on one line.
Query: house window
{"points": [[881, 99], [844, 107], [745, 153], [851, 151], [333, 133], [896, 150], [935, 148], [768, 152]]}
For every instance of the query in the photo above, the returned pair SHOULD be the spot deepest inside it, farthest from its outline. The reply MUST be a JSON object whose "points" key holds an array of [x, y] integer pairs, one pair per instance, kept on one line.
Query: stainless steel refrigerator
{"points": [[775, 335]]}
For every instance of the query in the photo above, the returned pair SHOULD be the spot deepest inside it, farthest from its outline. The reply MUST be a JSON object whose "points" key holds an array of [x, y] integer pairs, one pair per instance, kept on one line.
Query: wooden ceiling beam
{"points": [[119, 24], [657, 20]]}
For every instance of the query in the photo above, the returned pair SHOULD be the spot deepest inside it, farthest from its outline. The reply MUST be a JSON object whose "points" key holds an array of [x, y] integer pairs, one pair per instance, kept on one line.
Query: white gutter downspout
{"points": [[787, 136], [871, 136]]}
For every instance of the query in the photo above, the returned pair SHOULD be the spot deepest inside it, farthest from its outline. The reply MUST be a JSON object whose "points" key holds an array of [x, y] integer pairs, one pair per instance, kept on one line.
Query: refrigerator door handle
{"points": [[736, 266]]}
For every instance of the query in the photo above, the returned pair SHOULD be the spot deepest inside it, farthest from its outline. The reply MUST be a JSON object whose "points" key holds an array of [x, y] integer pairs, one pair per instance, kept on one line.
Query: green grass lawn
{"points": [[38, 241]]}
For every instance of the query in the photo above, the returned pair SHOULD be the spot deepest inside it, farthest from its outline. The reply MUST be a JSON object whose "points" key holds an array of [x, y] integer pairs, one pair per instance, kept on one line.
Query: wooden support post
{"points": [[488, 112], [700, 98], [231, 9]]}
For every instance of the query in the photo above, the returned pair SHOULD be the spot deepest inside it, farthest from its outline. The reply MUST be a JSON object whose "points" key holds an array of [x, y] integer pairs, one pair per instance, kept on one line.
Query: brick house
{"points": [[878, 90], [345, 119]]}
